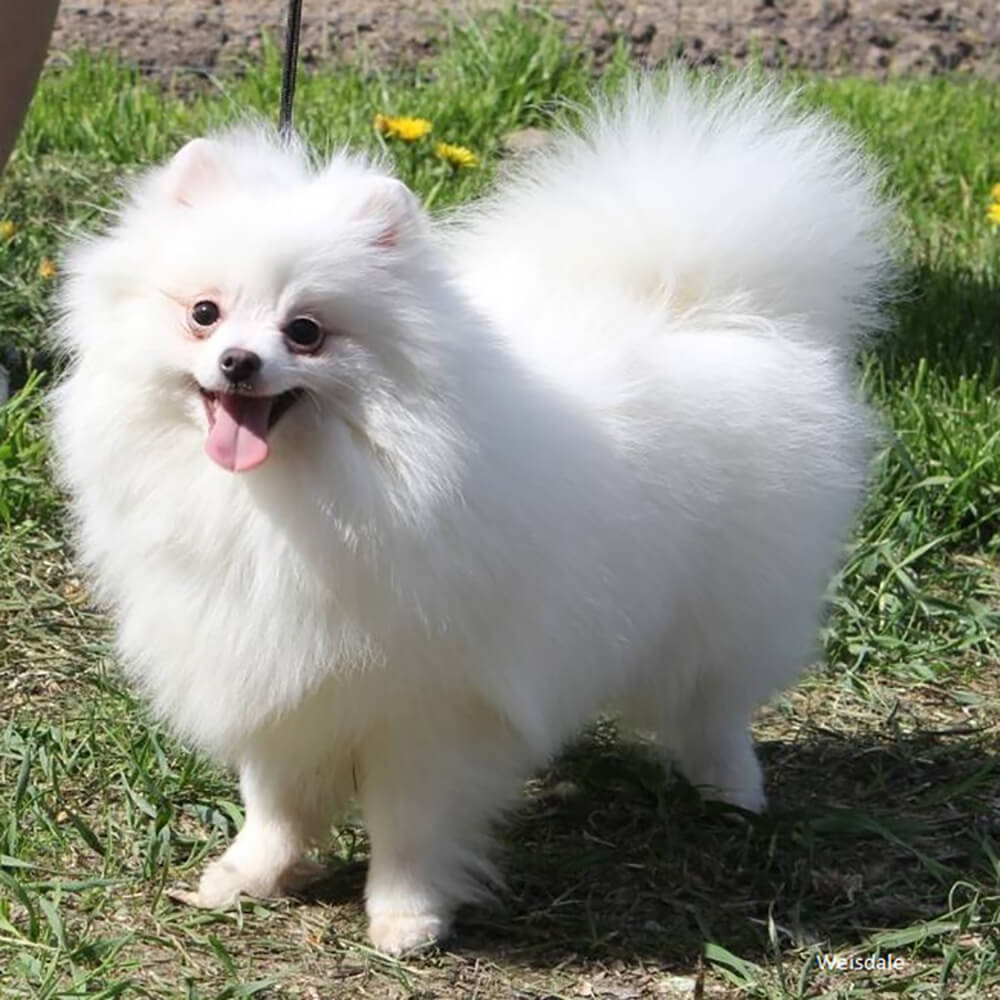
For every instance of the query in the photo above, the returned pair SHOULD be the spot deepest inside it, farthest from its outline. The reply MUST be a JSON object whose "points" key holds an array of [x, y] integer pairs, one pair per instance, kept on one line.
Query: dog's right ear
{"points": [[394, 209], [196, 172]]}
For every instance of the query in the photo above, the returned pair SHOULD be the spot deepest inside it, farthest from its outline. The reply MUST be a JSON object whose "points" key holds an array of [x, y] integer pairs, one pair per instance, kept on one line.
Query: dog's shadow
{"points": [[609, 858]]}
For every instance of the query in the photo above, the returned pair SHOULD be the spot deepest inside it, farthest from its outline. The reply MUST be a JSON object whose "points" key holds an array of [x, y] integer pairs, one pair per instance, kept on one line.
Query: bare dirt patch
{"points": [[874, 37]]}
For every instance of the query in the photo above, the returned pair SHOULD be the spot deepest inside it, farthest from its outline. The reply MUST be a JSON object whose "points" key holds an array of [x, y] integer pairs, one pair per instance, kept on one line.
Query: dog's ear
{"points": [[394, 209], [198, 170]]}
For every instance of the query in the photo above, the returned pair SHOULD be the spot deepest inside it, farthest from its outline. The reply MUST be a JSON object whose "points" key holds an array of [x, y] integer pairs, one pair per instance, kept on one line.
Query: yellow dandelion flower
{"points": [[993, 214], [457, 156], [7, 229], [996, 192], [407, 129], [46, 269]]}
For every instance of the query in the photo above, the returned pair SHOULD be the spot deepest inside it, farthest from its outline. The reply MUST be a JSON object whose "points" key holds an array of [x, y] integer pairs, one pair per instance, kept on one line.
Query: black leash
{"points": [[293, 29]]}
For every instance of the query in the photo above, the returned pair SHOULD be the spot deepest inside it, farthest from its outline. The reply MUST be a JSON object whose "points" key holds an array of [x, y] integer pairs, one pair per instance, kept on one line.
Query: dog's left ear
{"points": [[395, 210], [198, 170]]}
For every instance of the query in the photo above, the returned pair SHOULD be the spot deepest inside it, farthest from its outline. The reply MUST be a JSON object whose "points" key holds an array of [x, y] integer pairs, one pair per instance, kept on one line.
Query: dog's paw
{"points": [[219, 887], [730, 775], [222, 883], [395, 933], [738, 783], [748, 800]]}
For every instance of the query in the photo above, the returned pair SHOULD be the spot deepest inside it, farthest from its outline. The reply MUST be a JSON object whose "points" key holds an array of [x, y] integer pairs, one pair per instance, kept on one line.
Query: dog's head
{"points": [[254, 301]]}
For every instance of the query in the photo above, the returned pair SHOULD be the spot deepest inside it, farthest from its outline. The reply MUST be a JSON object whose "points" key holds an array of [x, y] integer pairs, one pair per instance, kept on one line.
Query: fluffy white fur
{"points": [[593, 442]]}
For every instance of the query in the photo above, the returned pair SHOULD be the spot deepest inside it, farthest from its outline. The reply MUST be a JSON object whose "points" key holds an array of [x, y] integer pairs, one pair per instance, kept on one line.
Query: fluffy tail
{"points": [[707, 198]]}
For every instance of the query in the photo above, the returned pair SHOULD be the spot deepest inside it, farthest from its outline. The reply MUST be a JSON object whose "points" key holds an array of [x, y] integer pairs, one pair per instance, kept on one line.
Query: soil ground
{"points": [[873, 37]]}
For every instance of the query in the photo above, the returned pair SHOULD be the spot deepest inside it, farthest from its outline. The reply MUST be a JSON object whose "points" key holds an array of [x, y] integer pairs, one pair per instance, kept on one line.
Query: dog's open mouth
{"points": [[239, 425]]}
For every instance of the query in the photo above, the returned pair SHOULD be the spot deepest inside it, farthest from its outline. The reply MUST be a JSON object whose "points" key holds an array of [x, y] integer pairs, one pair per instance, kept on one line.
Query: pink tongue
{"points": [[238, 438]]}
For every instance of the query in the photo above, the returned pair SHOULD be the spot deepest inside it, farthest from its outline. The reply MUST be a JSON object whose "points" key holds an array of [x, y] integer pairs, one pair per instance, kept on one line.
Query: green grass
{"points": [[883, 765]]}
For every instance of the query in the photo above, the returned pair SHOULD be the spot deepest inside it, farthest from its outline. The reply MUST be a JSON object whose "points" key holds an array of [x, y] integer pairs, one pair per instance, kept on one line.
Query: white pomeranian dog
{"points": [[391, 508]]}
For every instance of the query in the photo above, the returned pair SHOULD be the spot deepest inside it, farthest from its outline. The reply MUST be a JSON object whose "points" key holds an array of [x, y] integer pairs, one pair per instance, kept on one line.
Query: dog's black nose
{"points": [[239, 365]]}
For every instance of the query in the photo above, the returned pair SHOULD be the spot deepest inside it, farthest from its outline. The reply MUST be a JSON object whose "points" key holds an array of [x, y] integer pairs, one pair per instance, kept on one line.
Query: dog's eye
{"points": [[303, 334], [205, 313]]}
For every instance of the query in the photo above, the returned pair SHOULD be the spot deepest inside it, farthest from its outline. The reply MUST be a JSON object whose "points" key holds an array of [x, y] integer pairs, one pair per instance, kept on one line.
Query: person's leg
{"points": [[25, 29]]}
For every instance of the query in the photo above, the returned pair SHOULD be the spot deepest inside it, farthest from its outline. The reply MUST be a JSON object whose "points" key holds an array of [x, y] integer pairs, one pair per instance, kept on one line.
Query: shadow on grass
{"points": [[608, 858], [947, 318]]}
